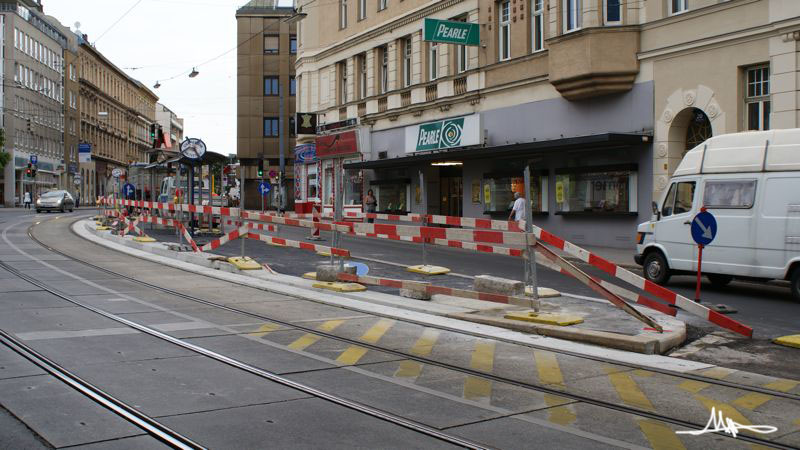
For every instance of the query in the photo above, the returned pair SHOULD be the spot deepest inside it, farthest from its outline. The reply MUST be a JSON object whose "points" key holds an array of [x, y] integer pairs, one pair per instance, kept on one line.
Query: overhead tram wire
{"points": [[117, 21]]}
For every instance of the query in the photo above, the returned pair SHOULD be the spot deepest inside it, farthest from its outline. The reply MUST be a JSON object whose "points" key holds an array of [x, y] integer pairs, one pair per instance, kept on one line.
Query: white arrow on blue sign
{"points": [[128, 190], [34, 159], [264, 188], [704, 228]]}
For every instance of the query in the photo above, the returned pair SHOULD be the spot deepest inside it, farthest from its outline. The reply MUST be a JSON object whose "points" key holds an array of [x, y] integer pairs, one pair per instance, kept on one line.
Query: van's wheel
{"points": [[795, 286], [719, 280], [655, 268]]}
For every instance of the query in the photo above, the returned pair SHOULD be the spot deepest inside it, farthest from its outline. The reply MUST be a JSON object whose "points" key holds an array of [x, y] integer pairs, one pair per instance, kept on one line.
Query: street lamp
{"points": [[194, 73], [157, 85]]}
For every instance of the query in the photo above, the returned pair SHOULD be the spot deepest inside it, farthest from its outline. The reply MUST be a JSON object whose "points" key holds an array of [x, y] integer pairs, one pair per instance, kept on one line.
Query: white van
{"points": [[750, 182]]}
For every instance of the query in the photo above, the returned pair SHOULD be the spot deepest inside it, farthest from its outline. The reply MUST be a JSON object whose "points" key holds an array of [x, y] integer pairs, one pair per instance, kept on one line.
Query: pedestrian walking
{"points": [[518, 210], [27, 200], [370, 205]]}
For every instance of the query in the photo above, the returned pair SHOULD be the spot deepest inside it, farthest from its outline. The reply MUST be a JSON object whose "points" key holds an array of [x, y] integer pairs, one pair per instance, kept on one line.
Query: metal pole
{"points": [[241, 200], [530, 249], [424, 199], [699, 272], [281, 150]]}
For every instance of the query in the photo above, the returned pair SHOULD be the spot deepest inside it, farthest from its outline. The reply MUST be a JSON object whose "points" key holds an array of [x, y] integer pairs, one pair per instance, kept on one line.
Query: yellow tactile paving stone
{"points": [[752, 400], [719, 373], [693, 386], [782, 385]]}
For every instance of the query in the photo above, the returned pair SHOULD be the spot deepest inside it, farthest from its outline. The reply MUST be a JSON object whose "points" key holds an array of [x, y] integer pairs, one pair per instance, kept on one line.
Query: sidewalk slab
{"points": [[604, 324]]}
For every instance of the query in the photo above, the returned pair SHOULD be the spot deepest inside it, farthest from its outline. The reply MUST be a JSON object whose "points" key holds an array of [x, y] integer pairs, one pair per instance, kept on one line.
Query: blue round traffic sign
{"points": [[264, 188], [704, 228], [361, 268]]}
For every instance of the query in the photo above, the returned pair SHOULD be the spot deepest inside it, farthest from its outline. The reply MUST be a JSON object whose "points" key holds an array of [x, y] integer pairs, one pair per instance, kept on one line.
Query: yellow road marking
{"points": [[354, 352], [547, 366], [752, 400], [304, 341], [642, 373], [374, 334], [424, 344], [693, 386], [423, 347], [782, 385], [307, 339], [628, 391], [717, 372], [483, 356], [351, 355], [727, 410], [660, 436], [559, 413], [476, 388], [264, 329]]}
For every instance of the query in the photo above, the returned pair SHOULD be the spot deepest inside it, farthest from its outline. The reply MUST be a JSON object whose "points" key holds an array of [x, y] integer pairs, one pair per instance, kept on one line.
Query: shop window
{"points": [[327, 183], [596, 190], [757, 99], [392, 196], [498, 192], [312, 185], [730, 194], [353, 184]]}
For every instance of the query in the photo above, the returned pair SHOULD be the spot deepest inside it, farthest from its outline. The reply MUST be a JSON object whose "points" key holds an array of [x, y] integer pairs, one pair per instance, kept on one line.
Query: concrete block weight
{"points": [[328, 272], [497, 285]]}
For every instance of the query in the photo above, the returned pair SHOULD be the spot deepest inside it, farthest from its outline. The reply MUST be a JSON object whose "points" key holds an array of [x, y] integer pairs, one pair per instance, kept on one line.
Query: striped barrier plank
{"points": [[300, 245], [431, 289], [324, 226], [232, 236], [450, 234]]}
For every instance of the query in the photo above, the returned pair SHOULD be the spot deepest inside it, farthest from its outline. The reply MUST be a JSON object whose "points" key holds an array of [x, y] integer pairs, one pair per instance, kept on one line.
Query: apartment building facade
{"points": [[32, 99], [600, 97], [265, 79], [172, 126], [116, 112]]}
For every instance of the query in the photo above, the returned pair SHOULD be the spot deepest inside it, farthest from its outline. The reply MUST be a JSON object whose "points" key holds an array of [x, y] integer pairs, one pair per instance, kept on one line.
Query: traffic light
{"points": [[153, 135], [29, 170], [33, 170], [260, 168], [30, 126]]}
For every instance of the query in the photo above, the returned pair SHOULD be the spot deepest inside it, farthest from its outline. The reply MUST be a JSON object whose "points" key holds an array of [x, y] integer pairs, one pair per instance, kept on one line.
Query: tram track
{"points": [[464, 370]]}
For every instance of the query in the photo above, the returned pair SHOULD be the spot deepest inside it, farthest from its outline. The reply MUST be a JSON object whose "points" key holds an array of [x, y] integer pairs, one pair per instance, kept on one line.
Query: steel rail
{"points": [[122, 409], [469, 371], [374, 412]]}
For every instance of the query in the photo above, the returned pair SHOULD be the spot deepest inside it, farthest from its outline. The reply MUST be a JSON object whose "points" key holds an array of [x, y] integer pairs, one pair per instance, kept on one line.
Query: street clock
{"points": [[193, 148]]}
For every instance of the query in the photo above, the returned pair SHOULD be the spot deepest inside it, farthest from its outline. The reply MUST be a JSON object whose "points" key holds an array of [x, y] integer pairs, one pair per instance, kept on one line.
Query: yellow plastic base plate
{"points": [[144, 239], [211, 231], [310, 275], [323, 254], [428, 269], [339, 287], [789, 341], [543, 292], [244, 263], [102, 228], [548, 319]]}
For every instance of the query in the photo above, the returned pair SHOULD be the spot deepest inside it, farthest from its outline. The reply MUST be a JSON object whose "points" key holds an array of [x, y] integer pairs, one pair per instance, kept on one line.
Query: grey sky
{"points": [[165, 39]]}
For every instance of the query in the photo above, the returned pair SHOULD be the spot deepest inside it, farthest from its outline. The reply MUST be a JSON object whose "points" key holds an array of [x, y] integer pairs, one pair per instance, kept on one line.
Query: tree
{"points": [[5, 157]]}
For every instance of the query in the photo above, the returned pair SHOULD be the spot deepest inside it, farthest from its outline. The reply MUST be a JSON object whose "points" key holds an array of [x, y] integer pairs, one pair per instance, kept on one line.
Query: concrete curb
{"points": [[422, 314]]}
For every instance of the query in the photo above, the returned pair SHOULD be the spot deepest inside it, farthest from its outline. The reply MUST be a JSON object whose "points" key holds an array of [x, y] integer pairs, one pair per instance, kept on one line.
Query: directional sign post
{"points": [[704, 230], [264, 188]]}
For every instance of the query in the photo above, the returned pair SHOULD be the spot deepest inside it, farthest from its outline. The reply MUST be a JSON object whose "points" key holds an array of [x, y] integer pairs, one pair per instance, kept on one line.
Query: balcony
{"points": [[362, 109], [383, 104], [431, 92], [594, 61], [405, 98], [460, 86]]}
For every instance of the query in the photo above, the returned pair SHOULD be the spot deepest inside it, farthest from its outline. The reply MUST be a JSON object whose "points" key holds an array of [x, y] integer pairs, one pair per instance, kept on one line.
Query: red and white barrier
{"points": [[232, 236], [300, 245]]}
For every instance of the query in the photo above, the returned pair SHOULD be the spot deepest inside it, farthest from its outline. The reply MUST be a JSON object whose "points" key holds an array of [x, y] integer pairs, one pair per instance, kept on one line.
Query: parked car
{"points": [[55, 201], [750, 182]]}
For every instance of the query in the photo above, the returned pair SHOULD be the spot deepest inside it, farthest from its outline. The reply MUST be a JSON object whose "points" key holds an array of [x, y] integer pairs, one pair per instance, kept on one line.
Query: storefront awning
{"points": [[607, 141]]}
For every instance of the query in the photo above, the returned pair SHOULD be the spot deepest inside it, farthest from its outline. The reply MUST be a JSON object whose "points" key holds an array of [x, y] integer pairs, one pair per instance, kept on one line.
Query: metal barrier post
{"points": [[337, 212], [241, 201], [530, 249], [424, 197]]}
